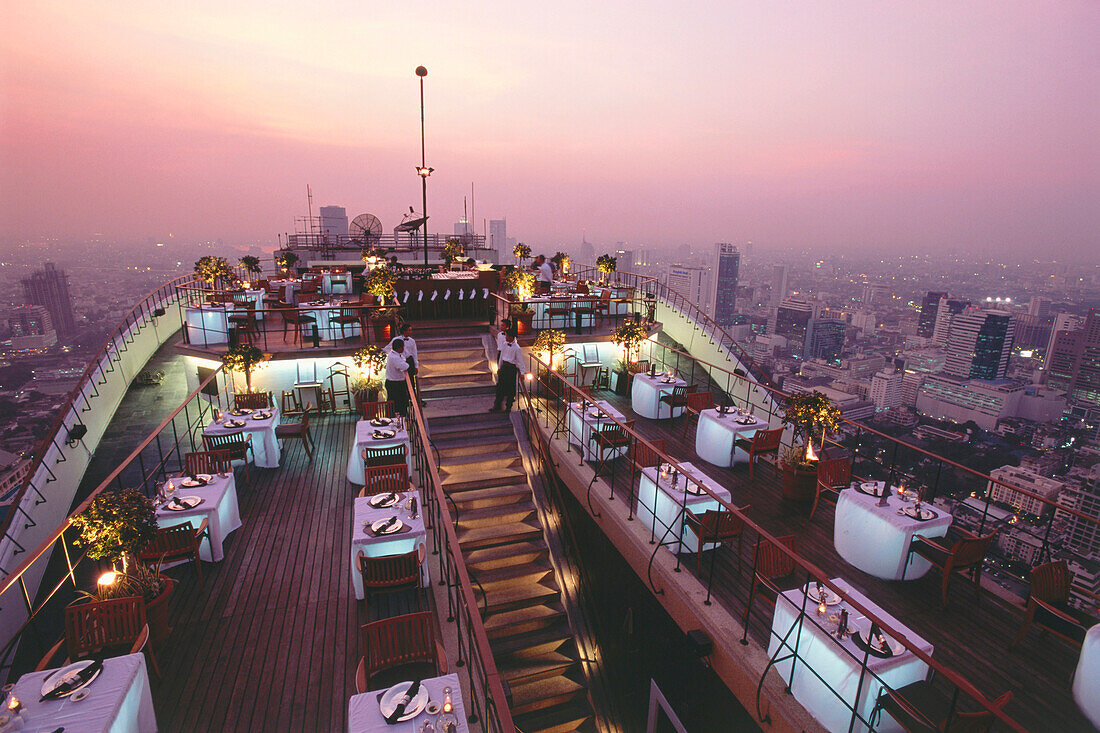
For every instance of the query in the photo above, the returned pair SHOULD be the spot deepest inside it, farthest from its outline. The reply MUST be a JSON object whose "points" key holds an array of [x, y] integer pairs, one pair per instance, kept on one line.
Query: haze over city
{"points": [[842, 126]]}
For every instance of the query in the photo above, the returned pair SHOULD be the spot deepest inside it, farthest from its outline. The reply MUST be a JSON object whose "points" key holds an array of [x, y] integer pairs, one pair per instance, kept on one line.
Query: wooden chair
{"points": [[398, 642], [639, 367], [608, 443], [558, 308], [104, 628], [833, 474], [761, 443], [393, 477], [696, 403], [603, 305], [372, 410], [298, 431], [602, 378], [966, 555], [349, 315], [310, 286], [390, 574], [207, 461], [920, 707], [295, 320], [385, 456], [770, 564], [237, 444], [244, 317], [1048, 605], [252, 400], [176, 543], [716, 527], [676, 398], [584, 308]]}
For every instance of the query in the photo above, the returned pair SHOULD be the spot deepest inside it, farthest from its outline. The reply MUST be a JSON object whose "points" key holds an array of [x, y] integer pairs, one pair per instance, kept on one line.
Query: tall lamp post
{"points": [[423, 171]]}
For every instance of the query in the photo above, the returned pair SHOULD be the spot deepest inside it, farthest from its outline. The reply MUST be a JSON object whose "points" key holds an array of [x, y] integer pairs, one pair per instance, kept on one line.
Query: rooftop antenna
{"points": [[473, 217], [309, 199]]}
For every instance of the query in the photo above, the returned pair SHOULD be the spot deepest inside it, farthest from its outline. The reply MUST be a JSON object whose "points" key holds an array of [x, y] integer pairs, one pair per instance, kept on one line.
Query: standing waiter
{"points": [[396, 366], [511, 363], [410, 356]]}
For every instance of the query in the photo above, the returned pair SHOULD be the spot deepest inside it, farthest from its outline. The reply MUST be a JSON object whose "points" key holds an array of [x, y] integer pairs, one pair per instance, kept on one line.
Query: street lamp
{"points": [[423, 170]]}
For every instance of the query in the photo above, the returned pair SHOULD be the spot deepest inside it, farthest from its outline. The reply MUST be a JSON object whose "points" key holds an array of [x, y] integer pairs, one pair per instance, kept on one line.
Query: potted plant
{"points": [[562, 261], [629, 336], [213, 270], [521, 252], [807, 413], [371, 363], [372, 257], [115, 526], [452, 250], [286, 260], [606, 265], [380, 283], [243, 358]]}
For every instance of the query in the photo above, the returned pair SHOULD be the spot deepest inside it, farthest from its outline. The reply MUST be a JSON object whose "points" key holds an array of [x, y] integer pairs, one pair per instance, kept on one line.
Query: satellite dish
{"points": [[365, 229]]}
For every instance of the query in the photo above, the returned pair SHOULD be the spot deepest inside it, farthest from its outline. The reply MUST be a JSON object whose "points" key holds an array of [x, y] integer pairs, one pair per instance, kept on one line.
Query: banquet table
{"points": [[219, 507], [208, 323], [876, 539], [364, 715], [581, 427], [660, 503], [289, 286], [265, 448], [335, 283], [1086, 680], [714, 438], [645, 395], [364, 439], [118, 701], [541, 306], [326, 312], [395, 544], [839, 663]]}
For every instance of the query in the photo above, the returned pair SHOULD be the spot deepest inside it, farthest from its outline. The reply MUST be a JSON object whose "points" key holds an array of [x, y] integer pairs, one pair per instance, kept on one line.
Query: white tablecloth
{"points": [[825, 655], [265, 448], [715, 435], [208, 324], [327, 328], [335, 283], [290, 287], [580, 430], [661, 502], [254, 296], [363, 439], [876, 539], [541, 306], [397, 544], [219, 507], [364, 715], [1086, 680], [645, 396], [617, 307], [118, 701]]}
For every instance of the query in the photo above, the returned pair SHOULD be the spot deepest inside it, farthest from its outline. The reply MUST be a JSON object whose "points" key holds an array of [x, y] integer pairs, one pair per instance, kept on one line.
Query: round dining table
{"points": [[715, 436]]}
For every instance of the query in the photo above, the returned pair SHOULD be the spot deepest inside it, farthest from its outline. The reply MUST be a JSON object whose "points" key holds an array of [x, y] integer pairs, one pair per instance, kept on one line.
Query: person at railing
{"points": [[410, 355], [545, 275], [511, 363], [396, 366]]}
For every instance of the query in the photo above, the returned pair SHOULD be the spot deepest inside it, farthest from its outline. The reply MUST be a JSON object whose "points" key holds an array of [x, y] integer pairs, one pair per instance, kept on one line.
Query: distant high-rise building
{"points": [[691, 282], [726, 267], [887, 389], [31, 328], [1062, 322], [49, 288], [498, 238], [334, 222], [779, 285], [926, 326], [792, 321], [1039, 306], [825, 340], [463, 227], [1081, 535], [979, 344], [873, 294], [946, 311], [1074, 363]]}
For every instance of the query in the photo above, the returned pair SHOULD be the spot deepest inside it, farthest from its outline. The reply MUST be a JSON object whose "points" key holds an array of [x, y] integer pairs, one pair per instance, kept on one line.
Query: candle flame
{"points": [[811, 454]]}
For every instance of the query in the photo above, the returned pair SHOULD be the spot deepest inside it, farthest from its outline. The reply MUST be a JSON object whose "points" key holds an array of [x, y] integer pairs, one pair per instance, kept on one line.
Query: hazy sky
{"points": [[966, 125]]}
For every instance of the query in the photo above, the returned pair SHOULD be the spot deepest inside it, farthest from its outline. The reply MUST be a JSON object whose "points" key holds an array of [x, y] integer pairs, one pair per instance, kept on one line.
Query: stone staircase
{"points": [[507, 556], [452, 367]]}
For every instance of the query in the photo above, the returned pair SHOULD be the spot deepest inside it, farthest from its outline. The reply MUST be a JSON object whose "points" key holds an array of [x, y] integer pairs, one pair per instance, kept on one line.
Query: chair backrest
{"points": [[640, 366], [208, 461], [391, 570], [971, 550], [244, 299], [386, 478], [371, 410], [721, 523], [767, 439], [699, 401], [582, 287], [386, 456], [350, 311], [771, 561], [560, 307], [113, 624], [234, 443], [397, 641], [252, 400], [911, 718], [680, 391], [834, 472], [305, 417], [1050, 581], [170, 540], [979, 721], [605, 297], [643, 456]]}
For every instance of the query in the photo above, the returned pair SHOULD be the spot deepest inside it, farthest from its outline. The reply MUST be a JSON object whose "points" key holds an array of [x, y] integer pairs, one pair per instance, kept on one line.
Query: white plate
{"points": [[892, 646], [65, 673], [383, 501], [193, 501], [831, 599], [395, 528], [394, 695]]}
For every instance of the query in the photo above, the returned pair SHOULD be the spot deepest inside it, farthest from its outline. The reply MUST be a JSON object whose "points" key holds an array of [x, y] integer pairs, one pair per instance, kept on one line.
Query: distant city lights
{"points": [[998, 300]]}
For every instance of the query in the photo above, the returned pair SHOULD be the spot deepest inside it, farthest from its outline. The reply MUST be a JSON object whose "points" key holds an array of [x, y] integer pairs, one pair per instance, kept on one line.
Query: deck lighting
{"points": [[107, 579]]}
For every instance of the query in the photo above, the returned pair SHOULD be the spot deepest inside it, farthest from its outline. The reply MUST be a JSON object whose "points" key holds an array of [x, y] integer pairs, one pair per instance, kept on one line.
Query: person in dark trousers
{"points": [[410, 356], [397, 364], [511, 364]]}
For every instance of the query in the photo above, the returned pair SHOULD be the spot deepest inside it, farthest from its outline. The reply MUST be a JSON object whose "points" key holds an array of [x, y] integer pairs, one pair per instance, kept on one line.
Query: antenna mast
{"points": [[309, 199]]}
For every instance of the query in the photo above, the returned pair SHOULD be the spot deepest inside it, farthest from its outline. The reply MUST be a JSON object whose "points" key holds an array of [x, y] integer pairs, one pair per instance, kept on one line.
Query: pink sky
{"points": [[943, 126]]}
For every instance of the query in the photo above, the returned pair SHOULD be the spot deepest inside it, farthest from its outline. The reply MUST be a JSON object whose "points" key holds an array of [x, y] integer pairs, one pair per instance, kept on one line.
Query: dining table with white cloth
{"points": [[365, 714], [208, 323], [645, 395], [325, 314], [364, 438], [717, 432], [620, 303], [1086, 679], [290, 287], [118, 701], [876, 539], [660, 502], [594, 418], [839, 663], [265, 447], [363, 515], [219, 507], [335, 283]]}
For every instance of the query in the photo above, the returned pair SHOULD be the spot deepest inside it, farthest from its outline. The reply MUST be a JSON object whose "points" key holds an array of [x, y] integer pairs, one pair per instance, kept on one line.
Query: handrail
{"points": [[82, 384], [812, 569], [492, 677]]}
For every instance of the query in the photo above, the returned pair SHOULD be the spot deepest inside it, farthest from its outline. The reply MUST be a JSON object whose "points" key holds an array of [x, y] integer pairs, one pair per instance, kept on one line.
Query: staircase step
{"points": [[447, 436], [437, 343], [530, 697], [457, 390], [521, 595], [567, 718], [519, 670], [444, 356], [496, 515], [504, 555], [523, 620], [492, 496], [455, 380], [527, 573], [534, 644], [490, 536], [481, 461], [466, 480], [467, 421], [473, 443]]}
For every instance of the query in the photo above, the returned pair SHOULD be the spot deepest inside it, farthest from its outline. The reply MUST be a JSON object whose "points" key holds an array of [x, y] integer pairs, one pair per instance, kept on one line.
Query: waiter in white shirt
{"points": [[511, 364], [396, 366], [410, 353], [505, 327], [546, 274]]}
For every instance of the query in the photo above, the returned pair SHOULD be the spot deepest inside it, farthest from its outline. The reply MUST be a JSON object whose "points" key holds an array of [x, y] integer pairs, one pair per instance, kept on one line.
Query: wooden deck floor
{"points": [[969, 637]]}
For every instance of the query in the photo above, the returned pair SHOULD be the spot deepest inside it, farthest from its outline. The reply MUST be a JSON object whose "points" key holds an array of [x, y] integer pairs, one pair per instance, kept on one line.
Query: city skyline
{"points": [[860, 126]]}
